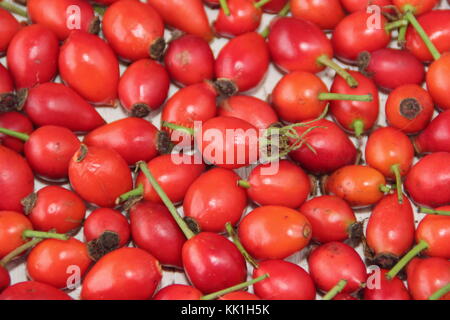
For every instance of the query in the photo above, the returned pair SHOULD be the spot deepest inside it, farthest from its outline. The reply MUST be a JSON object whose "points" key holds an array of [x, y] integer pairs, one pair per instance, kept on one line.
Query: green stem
{"points": [[237, 287], [15, 134], [422, 245], [44, 235], [432, 211], [239, 245], [224, 6], [395, 168], [244, 184], [19, 250], [181, 223], [401, 39], [99, 9], [326, 61], [136, 192], [283, 13], [385, 188], [335, 290], [394, 25], [358, 126], [261, 3], [177, 127], [440, 293], [14, 9], [342, 96]]}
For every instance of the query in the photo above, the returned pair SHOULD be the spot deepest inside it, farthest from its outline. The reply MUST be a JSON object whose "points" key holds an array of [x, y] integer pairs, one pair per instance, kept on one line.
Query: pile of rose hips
{"points": [[52, 132]]}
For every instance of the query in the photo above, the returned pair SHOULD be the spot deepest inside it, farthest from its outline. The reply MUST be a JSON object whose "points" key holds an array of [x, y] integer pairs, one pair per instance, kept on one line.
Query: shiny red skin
{"points": [[285, 279], [295, 44], [188, 16], [289, 186], [56, 104], [169, 173], [106, 219], [239, 295], [335, 261], [420, 6], [6, 82], [144, 82], [244, 17], [57, 208], [358, 5], [196, 102], [213, 263], [135, 139], [325, 14], [346, 112], [251, 109], [5, 279], [32, 56], [100, 177], [58, 15], [12, 225], [33, 290], [427, 181], [154, 230], [49, 261], [331, 218], [274, 6], [391, 226], [274, 232], [214, 199], [121, 22], [436, 24], [189, 60], [244, 60], [123, 274], [178, 292], [393, 289], [333, 148], [391, 68], [352, 36], [437, 81], [88, 65], [427, 276], [228, 142], [16, 180], [10, 26], [436, 136], [49, 150], [17, 122], [435, 231]]}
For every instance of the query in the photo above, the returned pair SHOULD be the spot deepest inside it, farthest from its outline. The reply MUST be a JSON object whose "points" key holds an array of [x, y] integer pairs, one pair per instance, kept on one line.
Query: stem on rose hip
{"points": [[136, 192], [282, 13], [398, 182], [422, 245], [237, 287], [328, 62], [432, 211], [176, 127], [244, 184], [19, 250], [358, 127], [234, 237], [15, 134], [224, 6], [44, 235], [261, 3], [440, 293], [335, 290], [13, 9]]}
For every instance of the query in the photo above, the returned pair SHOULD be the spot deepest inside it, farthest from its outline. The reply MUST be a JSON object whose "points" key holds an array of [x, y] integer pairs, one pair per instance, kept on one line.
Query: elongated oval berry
{"points": [[435, 137], [10, 26]]}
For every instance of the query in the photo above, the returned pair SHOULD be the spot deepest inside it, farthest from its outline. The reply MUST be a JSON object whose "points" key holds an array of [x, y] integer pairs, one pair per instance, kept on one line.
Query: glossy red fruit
{"points": [[134, 139], [358, 5], [132, 274], [437, 83], [409, 108], [333, 148], [187, 15], [168, 173], [178, 292], [63, 16], [436, 136], [392, 68], [143, 87], [244, 16], [16, 180], [331, 219], [288, 186], [56, 104], [385, 289], [427, 276], [214, 199], [189, 60], [428, 180], [32, 56], [33, 290], [285, 279], [242, 63], [251, 109], [435, 231], [212, 262], [106, 219], [390, 230], [355, 116], [121, 23], [50, 261], [5, 279], [419, 6], [354, 35], [325, 14], [6, 81], [12, 225], [274, 232], [55, 208], [335, 261], [274, 6], [89, 66], [10, 26], [17, 122], [99, 175], [154, 230]]}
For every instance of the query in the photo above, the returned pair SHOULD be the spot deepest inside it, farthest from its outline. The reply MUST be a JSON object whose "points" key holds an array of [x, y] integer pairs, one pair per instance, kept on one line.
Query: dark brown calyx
{"points": [[157, 48], [385, 260], [192, 225], [323, 183], [164, 144], [22, 96], [94, 26], [410, 108], [82, 153], [226, 87], [8, 102], [313, 180], [363, 62], [140, 110], [29, 202], [107, 242], [355, 232]]}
